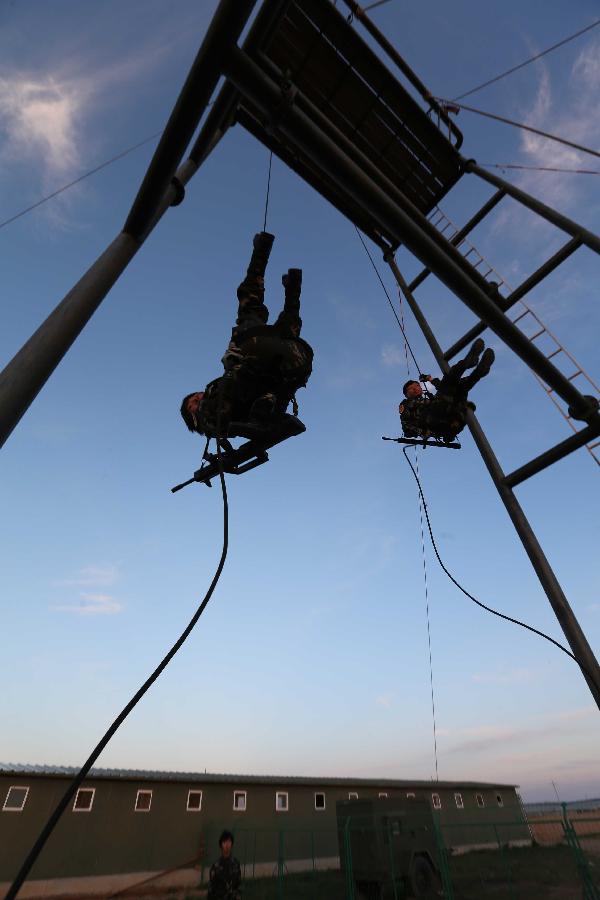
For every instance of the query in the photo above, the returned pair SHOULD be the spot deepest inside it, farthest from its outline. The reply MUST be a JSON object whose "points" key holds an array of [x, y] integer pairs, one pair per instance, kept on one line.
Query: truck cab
{"points": [[388, 848]]}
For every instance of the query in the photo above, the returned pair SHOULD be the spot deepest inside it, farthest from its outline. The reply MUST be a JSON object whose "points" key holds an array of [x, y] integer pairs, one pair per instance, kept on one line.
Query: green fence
{"points": [[553, 859]]}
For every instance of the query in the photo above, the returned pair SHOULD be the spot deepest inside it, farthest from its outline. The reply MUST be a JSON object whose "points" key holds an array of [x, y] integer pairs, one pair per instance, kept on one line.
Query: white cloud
{"points": [[392, 356], [384, 700], [91, 576], [92, 605], [38, 121], [511, 676], [570, 115], [45, 117]]}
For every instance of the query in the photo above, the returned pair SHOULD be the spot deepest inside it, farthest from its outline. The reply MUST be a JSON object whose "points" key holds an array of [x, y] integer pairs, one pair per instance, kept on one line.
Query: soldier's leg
{"points": [[251, 292], [482, 369], [289, 323], [452, 379]]}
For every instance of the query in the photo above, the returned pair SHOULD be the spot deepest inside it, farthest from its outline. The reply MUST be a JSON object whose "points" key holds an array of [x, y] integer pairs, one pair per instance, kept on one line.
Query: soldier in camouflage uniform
{"points": [[444, 414], [225, 875], [264, 364]]}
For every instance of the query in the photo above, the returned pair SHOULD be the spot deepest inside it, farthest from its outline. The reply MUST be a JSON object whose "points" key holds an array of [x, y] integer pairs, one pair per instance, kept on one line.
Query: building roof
{"points": [[222, 778]]}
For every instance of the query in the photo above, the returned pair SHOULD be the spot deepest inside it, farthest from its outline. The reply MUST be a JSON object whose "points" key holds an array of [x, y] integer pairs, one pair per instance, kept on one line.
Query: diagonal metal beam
{"points": [[567, 225], [463, 232], [505, 303]]}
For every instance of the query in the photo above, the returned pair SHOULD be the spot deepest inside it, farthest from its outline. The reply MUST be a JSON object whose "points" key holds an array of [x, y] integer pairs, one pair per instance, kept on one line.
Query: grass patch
{"points": [[516, 873]]}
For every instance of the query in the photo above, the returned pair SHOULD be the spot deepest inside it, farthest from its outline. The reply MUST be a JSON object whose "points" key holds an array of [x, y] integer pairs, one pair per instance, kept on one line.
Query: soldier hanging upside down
{"points": [[444, 414], [264, 364]]}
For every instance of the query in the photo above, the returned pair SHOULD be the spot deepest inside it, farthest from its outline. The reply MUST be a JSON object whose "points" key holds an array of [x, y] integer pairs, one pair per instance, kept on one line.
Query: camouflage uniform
{"points": [[261, 360], [225, 879]]}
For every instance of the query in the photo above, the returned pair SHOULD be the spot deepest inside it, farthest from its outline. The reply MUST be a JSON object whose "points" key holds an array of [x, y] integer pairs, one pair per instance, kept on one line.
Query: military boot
{"points": [[262, 244], [292, 282]]}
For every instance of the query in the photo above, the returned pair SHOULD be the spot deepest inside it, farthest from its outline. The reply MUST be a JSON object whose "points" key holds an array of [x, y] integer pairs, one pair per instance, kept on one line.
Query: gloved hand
{"points": [[424, 377]]}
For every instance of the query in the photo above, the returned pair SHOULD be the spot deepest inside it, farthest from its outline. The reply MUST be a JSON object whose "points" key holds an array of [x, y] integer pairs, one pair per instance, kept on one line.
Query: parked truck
{"points": [[388, 848]]}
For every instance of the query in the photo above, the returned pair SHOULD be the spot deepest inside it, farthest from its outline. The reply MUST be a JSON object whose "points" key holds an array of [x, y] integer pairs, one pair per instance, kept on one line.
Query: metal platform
{"points": [[311, 51]]}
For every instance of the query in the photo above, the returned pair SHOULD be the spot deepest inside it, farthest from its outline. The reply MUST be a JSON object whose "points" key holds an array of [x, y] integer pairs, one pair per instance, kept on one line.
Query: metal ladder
{"points": [[526, 319]]}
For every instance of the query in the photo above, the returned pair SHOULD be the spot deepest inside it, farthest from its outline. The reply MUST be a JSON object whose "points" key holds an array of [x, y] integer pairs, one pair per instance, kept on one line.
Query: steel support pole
{"points": [[413, 231], [225, 28], [558, 601]]}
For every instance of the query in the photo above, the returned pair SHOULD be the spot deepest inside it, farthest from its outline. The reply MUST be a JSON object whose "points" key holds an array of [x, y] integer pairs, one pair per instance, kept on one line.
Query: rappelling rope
{"points": [[425, 582], [268, 191], [407, 348], [70, 792], [470, 596], [389, 299]]}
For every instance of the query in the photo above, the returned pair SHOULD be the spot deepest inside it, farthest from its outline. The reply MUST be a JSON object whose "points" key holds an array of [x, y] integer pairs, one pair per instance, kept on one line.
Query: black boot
{"points": [[472, 357], [292, 282], [262, 244], [485, 363]]}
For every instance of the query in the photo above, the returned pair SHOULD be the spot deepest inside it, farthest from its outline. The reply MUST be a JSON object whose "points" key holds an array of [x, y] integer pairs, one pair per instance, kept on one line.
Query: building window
{"points": [[352, 795], [319, 801], [194, 801], [437, 803], [410, 795], [459, 801], [281, 801], [383, 796], [15, 799], [143, 801], [499, 800], [239, 801], [84, 800], [480, 801]]}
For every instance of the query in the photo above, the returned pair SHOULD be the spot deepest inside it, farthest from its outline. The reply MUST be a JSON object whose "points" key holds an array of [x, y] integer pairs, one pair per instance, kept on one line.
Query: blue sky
{"points": [[312, 656]]}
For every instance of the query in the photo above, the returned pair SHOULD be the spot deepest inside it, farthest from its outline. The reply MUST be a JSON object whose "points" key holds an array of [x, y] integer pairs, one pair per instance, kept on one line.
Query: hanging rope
{"points": [[470, 596], [72, 788], [268, 191], [407, 348], [424, 555], [389, 299]]}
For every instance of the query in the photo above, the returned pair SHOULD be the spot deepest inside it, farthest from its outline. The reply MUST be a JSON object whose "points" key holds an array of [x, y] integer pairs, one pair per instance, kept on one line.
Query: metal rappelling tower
{"points": [[306, 84]]}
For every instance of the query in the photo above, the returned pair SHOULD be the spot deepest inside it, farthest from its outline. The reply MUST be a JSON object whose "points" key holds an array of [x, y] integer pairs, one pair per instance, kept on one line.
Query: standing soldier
{"points": [[225, 875]]}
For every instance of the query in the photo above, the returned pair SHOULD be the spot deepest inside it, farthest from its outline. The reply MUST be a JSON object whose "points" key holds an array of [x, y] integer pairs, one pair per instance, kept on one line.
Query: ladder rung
{"points": [[593, 446], [522, 316], [485, 274], [575, 374], [537, 334], [554, 352]]}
